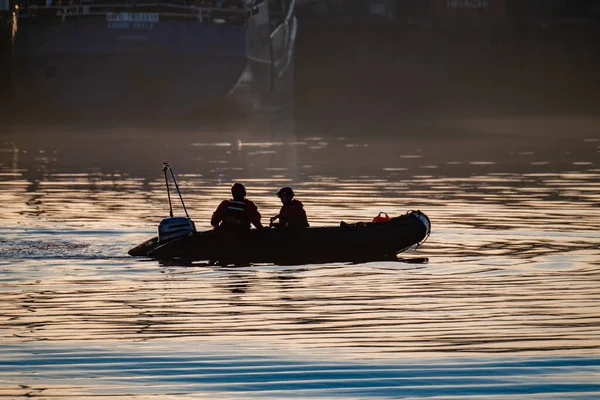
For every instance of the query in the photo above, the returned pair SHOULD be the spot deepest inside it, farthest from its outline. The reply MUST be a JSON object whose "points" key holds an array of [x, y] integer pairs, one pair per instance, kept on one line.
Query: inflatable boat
{"points": [[178, 240]]}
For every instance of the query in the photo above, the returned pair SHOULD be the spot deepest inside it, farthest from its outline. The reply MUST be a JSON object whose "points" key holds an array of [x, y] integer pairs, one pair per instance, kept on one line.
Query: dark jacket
{"points": [[292, 215]]}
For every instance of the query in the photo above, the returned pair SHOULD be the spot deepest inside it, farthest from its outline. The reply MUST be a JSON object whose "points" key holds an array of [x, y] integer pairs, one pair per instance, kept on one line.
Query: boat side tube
{"points": [[424, 219]]}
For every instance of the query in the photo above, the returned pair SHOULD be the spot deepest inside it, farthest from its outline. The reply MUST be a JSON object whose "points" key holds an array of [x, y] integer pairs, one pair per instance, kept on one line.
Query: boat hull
{"points": [[361, 242]]}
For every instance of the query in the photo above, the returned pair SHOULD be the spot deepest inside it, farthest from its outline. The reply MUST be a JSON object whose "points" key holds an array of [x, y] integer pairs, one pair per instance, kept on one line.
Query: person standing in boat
{"points": [[292, 214], [237, 214]]}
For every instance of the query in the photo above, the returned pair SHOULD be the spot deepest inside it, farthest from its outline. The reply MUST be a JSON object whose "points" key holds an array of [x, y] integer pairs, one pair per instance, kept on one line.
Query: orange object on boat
{"points": [[381, 218]]}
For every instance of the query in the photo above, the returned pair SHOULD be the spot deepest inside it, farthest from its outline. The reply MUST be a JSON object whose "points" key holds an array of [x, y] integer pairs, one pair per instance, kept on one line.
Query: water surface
{"points": [[507, 306]]}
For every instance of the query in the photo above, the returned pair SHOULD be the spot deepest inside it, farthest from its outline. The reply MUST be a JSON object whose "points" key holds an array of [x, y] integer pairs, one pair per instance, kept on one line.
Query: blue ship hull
{"points": [[86, 67], [118, 83]]}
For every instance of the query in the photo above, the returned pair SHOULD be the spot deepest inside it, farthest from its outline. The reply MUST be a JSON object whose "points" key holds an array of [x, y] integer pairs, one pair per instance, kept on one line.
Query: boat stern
{"points": [[144, 249]]}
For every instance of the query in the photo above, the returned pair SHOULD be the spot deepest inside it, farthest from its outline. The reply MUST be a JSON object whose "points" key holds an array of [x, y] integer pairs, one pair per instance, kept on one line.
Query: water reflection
{"points": [[60, 177], [513, 262], [221, 370]]}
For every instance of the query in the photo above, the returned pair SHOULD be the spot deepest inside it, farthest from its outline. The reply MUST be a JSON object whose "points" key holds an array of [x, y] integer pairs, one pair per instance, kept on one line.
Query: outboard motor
{"points": [[174, 227]]}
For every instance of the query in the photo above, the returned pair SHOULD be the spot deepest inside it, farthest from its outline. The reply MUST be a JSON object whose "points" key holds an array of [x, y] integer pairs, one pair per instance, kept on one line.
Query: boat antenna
{"points": [[165, 167]]}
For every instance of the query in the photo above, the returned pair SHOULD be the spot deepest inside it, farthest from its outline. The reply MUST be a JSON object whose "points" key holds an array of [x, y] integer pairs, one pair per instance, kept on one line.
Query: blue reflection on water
{"points": [[135, 370]]}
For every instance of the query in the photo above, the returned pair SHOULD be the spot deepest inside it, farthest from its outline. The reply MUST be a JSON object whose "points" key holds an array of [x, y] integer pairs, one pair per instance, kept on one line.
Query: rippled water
{"points": [[508, 304]]}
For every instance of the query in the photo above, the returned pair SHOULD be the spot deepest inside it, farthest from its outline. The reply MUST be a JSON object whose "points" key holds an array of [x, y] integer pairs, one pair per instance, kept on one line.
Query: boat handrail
{"points": [[276, 31], [286, 20], [290, 48], [284, 60], [288, 16]]}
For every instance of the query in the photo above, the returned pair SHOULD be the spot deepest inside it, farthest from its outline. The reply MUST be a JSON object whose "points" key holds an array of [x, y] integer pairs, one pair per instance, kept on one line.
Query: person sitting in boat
{"points": [[237, 214], [292, 214]]}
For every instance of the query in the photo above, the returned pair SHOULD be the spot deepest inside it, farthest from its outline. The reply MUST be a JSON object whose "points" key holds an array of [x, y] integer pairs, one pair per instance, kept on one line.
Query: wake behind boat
{"points": [[178, 240]]}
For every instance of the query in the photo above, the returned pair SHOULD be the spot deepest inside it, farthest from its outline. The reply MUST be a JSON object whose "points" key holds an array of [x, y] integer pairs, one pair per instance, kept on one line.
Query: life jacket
{"points": [[236, 218]]}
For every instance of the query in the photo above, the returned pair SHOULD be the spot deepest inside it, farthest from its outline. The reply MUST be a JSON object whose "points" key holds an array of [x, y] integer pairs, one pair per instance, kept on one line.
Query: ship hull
{"points": [[88, 67], [124, 84]]}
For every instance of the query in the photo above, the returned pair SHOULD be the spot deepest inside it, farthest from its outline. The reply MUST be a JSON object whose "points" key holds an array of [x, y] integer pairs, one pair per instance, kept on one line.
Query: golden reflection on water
{"points": [[514, 257]]}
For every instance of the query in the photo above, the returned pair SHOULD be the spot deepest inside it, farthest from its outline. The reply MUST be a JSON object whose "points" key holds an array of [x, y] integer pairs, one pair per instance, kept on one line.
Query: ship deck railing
{"points": [[87, 9]]}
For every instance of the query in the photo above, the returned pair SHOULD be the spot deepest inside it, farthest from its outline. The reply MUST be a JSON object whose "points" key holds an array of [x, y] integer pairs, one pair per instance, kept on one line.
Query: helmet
{"points": [[238, 191], [285, 190]]}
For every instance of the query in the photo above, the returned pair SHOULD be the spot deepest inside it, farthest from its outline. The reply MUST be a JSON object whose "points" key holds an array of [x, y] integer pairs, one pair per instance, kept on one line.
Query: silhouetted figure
{"points": [[292, 214], [237, 214]]}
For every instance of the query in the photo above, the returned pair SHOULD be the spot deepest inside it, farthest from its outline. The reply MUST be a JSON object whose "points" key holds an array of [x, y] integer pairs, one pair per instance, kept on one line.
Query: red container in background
{"points": [[468, 9]]}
